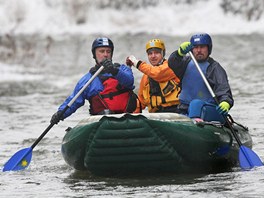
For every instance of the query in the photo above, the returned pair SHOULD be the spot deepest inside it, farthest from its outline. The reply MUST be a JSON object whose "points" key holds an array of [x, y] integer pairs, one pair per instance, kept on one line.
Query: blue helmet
{"points": [[102, 42], [202, 39]]}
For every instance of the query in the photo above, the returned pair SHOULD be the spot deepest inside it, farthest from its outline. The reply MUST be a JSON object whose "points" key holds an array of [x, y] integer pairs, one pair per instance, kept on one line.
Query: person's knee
{"points": [[195, 108]]}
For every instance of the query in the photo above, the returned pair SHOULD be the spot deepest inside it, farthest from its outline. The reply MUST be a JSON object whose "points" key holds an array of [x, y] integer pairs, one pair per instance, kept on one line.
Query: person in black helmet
{"points": [[110, 91], [195, 98]]}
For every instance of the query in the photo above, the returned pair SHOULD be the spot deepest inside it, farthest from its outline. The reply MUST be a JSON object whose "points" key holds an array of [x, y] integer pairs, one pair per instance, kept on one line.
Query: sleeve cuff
{"points": [[138, 63]]}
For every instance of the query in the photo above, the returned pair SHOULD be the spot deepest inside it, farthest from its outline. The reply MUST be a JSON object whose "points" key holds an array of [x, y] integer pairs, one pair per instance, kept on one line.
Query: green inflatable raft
{"points": [[151, 143]]}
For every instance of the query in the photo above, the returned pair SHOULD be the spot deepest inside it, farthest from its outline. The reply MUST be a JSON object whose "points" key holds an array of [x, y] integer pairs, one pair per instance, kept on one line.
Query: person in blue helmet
{"points": [[110, 92], [195, 98]]}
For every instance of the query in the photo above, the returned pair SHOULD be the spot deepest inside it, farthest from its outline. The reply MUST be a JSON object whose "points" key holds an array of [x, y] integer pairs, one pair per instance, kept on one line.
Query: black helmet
{"points": [[202, 39], [102, 42]]}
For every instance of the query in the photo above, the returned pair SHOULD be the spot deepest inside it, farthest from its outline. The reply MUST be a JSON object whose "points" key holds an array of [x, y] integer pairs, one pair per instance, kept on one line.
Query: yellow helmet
{"points": [[156, 43]]}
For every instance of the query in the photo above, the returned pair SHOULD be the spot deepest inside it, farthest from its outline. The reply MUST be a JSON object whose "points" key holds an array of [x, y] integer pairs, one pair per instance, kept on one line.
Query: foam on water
{"points": [[57, 16]]}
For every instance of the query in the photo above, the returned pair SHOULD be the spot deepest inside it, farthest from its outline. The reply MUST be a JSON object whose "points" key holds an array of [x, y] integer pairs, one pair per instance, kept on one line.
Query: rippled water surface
{"points": [[34, 81]]}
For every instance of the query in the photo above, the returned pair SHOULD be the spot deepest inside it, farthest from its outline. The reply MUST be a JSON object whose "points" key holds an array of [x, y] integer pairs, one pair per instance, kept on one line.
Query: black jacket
{"points": [[215, 75]]}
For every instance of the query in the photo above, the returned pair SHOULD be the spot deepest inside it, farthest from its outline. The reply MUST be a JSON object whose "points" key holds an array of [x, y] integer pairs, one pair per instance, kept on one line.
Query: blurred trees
{"points": [[250, 9], [78, 9]]}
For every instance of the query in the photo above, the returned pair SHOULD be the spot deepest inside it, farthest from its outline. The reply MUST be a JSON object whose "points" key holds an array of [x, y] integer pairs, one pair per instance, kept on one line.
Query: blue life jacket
{"points": [[193, 86]]}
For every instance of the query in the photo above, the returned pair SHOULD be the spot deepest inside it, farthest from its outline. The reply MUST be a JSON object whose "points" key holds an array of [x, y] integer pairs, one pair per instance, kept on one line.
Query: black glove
{"points": [[56, 117], [109, 67], [107, 63], [115, 69]]}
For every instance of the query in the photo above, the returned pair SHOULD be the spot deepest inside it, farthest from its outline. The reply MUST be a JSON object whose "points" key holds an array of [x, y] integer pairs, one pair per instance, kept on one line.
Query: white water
{"points": [[60, 16]]}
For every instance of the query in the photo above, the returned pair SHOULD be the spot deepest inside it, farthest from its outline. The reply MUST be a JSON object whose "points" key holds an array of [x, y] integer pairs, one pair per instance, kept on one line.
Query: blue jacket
{"points": [[215, 74], [124, 76]]}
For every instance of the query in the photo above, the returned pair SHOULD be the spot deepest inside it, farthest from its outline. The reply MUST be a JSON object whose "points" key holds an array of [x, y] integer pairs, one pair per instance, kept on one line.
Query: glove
{"points": [[56, 117], [109, 67], [115, 69], [107, 63], [132, 61], [184, 48], [223, 108]]}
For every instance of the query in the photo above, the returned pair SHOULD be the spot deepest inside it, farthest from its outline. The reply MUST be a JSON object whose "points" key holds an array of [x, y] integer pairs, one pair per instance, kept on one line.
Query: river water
{"points": [[39, 72]]}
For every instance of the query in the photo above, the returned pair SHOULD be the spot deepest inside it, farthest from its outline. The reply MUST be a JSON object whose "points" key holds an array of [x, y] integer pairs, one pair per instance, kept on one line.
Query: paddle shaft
{"points": [[68, 105], [215, 98]]}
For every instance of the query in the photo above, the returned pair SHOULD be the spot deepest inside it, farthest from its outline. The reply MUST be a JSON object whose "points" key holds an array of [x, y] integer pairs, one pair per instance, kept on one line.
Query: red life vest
{"points": [[113, 97]]}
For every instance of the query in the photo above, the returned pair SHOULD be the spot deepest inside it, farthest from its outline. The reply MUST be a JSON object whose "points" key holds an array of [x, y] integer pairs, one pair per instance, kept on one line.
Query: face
{"points": [[200, 52], [102, 53], [155, 57]]}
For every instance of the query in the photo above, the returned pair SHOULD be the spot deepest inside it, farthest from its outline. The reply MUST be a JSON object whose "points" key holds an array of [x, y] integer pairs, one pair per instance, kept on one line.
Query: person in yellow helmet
{"points": [[159, 87]]}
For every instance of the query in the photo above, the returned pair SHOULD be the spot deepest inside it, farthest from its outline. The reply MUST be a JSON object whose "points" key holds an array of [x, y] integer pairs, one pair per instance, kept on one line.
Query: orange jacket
{"points": [[163, 75]]}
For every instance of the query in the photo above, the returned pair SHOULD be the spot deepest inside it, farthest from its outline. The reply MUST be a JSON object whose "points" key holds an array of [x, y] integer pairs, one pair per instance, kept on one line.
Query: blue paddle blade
{"points": [[248, 158], [19, 161]]}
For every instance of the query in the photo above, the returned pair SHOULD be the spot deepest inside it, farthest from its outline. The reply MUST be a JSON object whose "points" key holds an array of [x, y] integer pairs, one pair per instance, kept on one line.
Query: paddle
{"points": [[247, 158], [21, 159]]}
